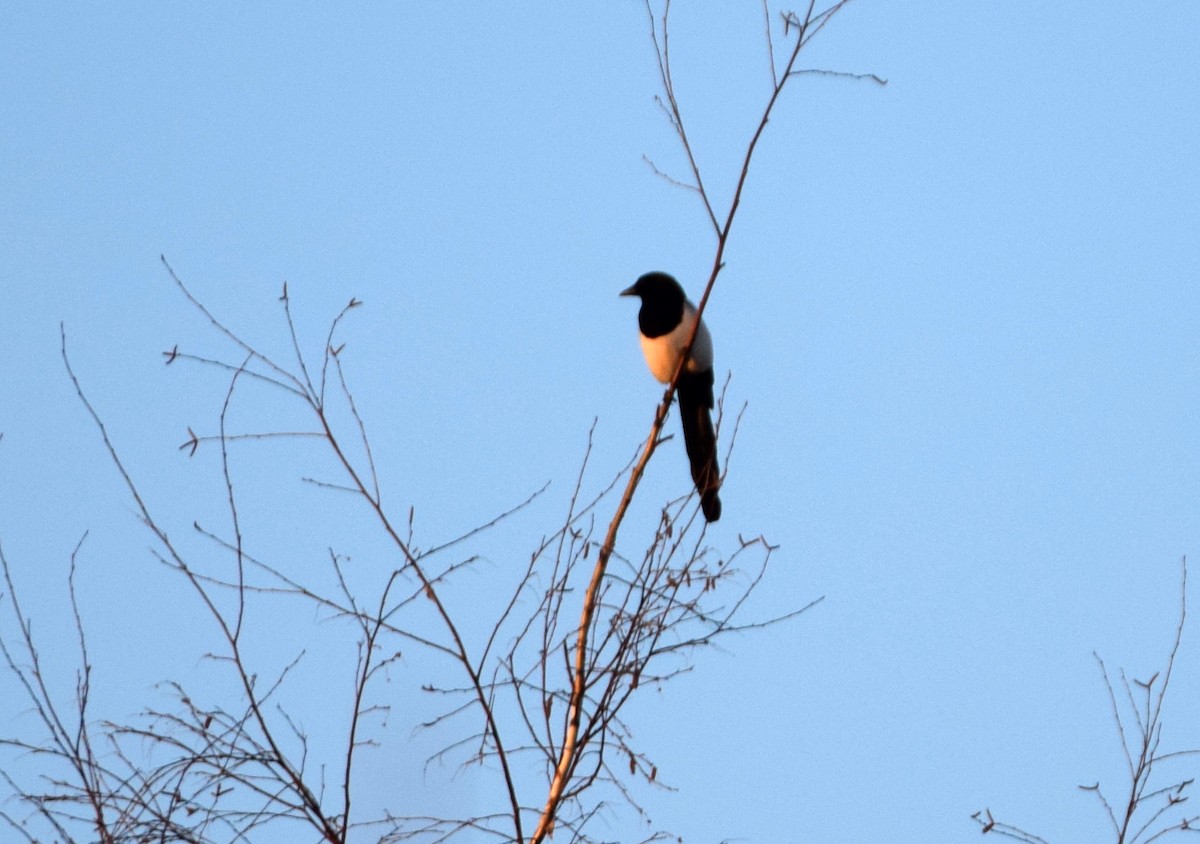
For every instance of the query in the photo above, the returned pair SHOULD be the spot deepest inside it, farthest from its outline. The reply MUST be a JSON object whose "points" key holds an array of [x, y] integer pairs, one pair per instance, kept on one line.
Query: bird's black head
{"points": [[656, 287], [662, 303]]}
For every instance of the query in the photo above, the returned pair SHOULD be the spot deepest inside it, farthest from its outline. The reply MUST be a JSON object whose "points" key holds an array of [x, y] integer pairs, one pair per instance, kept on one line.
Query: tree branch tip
{"points": [[193, 442], [839, 74]]}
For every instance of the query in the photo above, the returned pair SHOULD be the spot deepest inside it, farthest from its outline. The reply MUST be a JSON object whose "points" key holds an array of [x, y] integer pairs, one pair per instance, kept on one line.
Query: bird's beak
{"points": [[629, 291]]}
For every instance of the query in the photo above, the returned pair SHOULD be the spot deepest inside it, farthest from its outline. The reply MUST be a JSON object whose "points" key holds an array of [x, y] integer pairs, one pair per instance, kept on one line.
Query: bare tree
{"points": [[1149, 804], [535, 706]]}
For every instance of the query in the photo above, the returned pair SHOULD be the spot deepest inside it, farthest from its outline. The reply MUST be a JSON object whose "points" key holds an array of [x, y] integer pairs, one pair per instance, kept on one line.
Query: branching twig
{"points": [[1143, 805]]}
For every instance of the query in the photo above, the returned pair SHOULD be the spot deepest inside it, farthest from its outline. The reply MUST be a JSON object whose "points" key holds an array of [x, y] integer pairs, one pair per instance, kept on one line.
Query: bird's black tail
{"points": [[695, 391]]}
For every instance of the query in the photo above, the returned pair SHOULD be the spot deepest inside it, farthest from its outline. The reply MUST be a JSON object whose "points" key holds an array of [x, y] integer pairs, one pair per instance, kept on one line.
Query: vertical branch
{"points": [[371, 628], [358, 420], [570, 750], [84, 756], [69, 743], [291, 324], [662, 53], [239, 551], [770, 43]]}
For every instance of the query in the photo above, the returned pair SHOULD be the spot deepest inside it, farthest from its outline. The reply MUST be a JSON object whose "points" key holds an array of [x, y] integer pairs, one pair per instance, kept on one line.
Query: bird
{"points": [[665, 320]]}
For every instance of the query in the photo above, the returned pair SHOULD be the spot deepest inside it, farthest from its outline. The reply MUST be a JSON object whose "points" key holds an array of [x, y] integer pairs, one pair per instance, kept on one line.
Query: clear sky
{"points": [[962, 311]]}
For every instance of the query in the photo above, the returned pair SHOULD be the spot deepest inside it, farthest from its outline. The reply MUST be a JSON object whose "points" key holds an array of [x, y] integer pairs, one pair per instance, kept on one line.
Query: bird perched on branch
{"points": [[666, 320]]}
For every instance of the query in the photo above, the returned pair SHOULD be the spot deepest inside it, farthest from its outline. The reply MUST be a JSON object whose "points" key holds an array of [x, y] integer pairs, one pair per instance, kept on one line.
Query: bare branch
{"points": [[841, 74], [576, 734], [1139, 817]]}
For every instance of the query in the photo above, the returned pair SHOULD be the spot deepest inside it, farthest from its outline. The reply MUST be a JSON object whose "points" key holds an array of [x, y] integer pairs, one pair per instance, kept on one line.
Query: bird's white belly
{"points": [[663, 353]]}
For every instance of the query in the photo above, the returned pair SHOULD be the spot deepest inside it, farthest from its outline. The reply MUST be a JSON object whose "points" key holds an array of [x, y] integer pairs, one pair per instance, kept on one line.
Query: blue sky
{"points": [[961, 310]]}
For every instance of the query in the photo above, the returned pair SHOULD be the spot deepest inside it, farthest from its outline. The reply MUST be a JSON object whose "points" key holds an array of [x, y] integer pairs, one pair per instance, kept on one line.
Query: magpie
{"points": [[665, 320]]}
